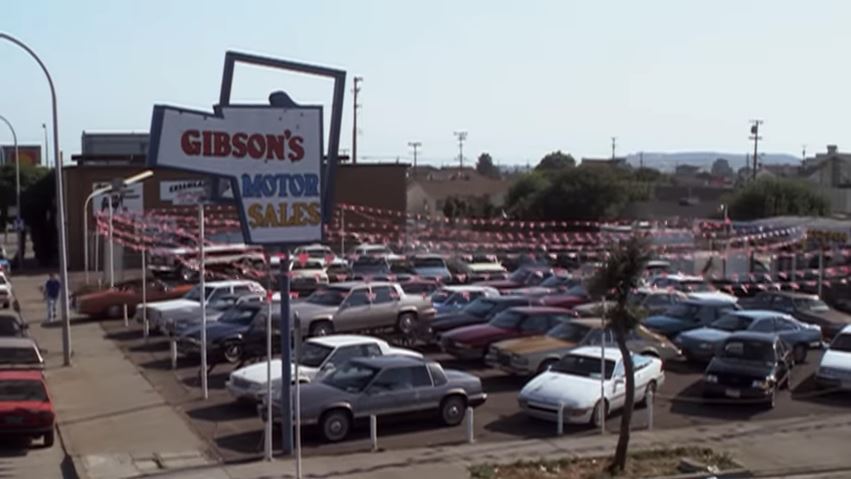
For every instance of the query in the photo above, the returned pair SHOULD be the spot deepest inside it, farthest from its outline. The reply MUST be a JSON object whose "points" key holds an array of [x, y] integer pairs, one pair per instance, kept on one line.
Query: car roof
{"points": [[337, 340], [846, 329], [455, 288], [427, 256], [753, 336], [357, 284], [27, 374], [8, 342], [228, 282], [758, 313], [710, 300], [654, 291], [790, 294], [388, 361], [538, 310], [613, 354]]}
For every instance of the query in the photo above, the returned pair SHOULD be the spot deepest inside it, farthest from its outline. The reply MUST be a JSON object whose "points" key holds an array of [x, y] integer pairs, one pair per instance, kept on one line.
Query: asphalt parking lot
{"points": [[236, 432]]}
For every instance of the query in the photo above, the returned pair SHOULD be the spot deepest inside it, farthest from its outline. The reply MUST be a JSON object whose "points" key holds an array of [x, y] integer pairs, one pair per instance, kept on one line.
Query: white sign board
{"points": [[171, 190], [273, 154], [129, 200]]}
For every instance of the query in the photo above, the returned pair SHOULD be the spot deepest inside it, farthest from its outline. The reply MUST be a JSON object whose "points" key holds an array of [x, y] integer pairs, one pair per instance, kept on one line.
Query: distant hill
{"points": [[704, 159]]}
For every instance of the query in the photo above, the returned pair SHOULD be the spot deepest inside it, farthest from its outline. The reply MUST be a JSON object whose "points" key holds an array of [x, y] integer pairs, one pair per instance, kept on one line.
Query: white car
{"points": [[319, 356], [5, 291], [834, 371], [573, 384], [161, 313], [308, 274]]}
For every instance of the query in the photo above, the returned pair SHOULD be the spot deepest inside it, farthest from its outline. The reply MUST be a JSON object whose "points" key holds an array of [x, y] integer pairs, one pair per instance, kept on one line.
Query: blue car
{"points": [[701, 344], [690, 314], [449, 299], [431, 266]]}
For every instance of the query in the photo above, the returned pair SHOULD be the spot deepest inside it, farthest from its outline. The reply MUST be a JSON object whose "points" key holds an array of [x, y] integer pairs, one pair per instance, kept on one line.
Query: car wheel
{"points": [[406, 323], [648, 391], [232, 352], [545, 364], [601, 410], [452, 410], [5, 305], [335, 425], [321, 328], [48, 438], [114, 311], [800, 353]]}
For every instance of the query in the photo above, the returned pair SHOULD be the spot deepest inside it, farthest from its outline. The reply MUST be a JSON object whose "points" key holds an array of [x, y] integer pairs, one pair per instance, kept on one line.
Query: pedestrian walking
{"points": [[51, 295]]}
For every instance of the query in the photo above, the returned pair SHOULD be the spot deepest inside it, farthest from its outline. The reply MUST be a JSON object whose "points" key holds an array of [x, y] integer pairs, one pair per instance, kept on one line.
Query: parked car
{"points": [[455, 297], [479, 311], [364, 306], [381, 386], [12, 325], [573, 384], [431, 266], [834, 370], [338, 271], [319, 356], [379, 250], [681, 282], [689, 314], [215, 309], [750, 366], [804, 307], [5, 291], [25, 406], [20, 353], [522, 277], [307, 275], [477, 267], [650, 301], [189, 305], [182, 262], [316, 251], [700, 344], [239, 334], [366, 267], [110, 302], [560, 282], [569, 299], [473, 342], [421, 286]]}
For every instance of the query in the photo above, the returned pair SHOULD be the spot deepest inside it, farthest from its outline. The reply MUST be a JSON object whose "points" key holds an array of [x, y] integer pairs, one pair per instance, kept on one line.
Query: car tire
{"points": [[321, 328], [334, 425], [452, 410], [545, 364], [799, 353], [49, 438], [114, 312], [601, 406], [651, 386], [406, 323], [232, 352], [5, 305]]}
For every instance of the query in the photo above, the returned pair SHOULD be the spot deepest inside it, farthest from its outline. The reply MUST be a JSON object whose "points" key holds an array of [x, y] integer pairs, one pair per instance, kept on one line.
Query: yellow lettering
{"points": [[255, 215], [314, 215], [271, 217]]}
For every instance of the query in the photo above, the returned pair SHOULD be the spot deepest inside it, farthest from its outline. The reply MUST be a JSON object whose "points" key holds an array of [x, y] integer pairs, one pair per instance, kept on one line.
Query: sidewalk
{"points": [[802, 447], [111, 421]]}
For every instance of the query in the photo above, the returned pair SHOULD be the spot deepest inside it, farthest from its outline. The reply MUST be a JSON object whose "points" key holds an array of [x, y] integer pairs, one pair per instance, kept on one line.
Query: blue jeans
{"points": [[51, 308]]}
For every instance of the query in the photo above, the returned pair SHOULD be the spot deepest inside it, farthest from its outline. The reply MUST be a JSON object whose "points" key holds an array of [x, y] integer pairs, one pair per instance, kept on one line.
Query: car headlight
{"points": [[710, 378], [519, 360], [763, 383]]}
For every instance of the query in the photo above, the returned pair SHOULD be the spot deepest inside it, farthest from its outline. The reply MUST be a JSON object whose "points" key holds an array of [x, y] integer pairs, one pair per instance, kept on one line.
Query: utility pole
{"points": [[803, 153], [355, 106], [641, 159], [46, 162], [755, 137], [415, 146], [461, 135], [614, 146]]}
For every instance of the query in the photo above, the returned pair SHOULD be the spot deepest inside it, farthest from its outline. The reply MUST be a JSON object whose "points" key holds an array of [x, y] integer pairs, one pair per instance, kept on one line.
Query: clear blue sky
{"points": [[523, 78]]}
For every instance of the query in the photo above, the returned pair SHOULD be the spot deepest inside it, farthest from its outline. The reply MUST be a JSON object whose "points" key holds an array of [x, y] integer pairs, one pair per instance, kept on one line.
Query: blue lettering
{"points": [[251, 187], [269, 186], [311, 185], [297, 185], [282, 185]]}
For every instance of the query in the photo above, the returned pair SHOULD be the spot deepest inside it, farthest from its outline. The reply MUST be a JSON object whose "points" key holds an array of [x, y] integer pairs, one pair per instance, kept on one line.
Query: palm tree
{"points": [[619, 275]]}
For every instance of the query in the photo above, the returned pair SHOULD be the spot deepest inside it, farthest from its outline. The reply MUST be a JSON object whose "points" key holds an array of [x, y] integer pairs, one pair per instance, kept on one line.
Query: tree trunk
{"points": [[619, 462]]}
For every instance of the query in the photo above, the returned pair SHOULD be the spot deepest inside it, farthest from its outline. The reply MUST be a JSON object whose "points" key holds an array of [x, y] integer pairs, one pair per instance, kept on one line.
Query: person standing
{"points": [[51, 295]]}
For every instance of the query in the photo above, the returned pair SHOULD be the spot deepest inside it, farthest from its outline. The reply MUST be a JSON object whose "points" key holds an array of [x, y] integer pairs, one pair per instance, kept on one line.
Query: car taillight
{"points": [[45, 417]]}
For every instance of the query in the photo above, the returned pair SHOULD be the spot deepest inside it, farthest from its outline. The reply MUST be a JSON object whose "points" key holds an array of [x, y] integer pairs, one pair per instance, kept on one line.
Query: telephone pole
{"points": [[461, 135], [614, 146], [415, 145], [355, 106], [755, 137]]}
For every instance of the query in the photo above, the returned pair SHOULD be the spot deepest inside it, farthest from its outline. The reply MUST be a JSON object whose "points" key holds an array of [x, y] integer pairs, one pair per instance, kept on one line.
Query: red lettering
{"points": [[274, 147], [207, 142], [256, 146], [296, 148], [189, 142], [239, 146], [221, 143]]}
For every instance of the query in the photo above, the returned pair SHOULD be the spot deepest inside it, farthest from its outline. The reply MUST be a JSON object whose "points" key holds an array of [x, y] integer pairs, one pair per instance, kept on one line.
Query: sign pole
{"points": [[111, 251], [286, 359], [268, 429], [202, 270], [145, 326], [602, 402]]}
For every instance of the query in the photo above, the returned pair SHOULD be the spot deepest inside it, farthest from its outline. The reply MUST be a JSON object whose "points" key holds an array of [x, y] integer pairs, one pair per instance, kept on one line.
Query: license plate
{"points": [[14, 420], [733, 393]]}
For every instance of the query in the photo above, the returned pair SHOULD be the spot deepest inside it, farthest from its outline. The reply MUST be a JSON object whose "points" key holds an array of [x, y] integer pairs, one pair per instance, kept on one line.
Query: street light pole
{"points": [[60, 206], [46, 162], [18, 224]]}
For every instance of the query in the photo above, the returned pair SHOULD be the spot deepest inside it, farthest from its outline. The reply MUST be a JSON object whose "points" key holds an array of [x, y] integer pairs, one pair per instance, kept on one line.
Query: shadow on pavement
{"points": [[498, 384], [522, 426], [11, 446], [124, 335], [806, 390], [216, 380], [152, 346], [684, 367], [690, 402], [228, 411]]}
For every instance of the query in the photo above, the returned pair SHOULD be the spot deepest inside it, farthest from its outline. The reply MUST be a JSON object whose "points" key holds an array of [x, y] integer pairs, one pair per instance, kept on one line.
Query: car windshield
{"points": [[507, 319], [306, 265], [9, 326], [194, 294], [314, 354], [429, 263], [480, 307], [588, 367], [682, 311], [441, 295], [241, 316], [327, 296], [22, 390], [841, 342], [351, 377], [731, 322], [815, 305], [569, 331], [23, 355], [748, 350]]}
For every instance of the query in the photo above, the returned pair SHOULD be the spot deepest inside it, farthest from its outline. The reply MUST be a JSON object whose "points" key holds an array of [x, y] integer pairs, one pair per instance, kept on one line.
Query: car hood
{"points": [[710, 335], [97, 295], [308, 311], [478, 333], [256, 373], [836, 359], [754, 369], [432, 272], [174, 305], [215, 331], [573, 391], [445, 322], [533, 344], [665, 323]]}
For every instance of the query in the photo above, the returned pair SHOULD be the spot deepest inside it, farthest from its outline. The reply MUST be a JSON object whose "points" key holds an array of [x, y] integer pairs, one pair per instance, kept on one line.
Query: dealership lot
{"points": [[236, 432]]}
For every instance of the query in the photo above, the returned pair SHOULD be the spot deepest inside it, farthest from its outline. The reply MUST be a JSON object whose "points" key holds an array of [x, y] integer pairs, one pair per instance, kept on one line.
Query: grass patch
{"points": [[642, 464]]}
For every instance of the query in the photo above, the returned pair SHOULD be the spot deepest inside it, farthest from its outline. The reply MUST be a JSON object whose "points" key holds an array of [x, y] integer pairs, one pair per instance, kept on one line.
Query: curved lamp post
{"points": [[60, 206]]}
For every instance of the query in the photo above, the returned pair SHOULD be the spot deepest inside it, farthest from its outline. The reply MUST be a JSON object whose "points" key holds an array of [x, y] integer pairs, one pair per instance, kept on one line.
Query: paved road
{"points": [[236, 432]]}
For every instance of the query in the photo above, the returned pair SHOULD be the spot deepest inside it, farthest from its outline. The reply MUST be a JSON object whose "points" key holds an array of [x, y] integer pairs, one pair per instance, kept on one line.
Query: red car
{"points": [[25, 407], [471, 342], [571, 298]]}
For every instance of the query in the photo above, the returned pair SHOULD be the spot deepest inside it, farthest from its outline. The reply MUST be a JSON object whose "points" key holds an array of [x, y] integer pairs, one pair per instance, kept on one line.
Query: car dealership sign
{"points": [[272, 156]]}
